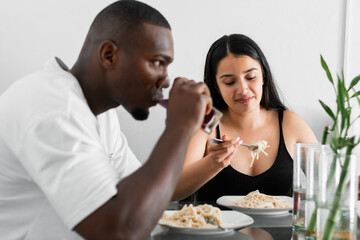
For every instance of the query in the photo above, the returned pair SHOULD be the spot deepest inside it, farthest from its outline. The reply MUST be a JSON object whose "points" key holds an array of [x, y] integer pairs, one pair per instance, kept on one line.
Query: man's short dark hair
{"points": [[122, 22], [130, 14]]}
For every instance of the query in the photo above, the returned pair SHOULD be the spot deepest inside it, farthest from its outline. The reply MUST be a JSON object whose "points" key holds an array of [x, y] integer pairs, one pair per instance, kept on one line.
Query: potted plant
{"points": [[337, 167]]}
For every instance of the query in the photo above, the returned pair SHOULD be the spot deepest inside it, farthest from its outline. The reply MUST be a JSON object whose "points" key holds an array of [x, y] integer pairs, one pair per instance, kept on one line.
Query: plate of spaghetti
{"points": [[203, 219], [257, 203]]}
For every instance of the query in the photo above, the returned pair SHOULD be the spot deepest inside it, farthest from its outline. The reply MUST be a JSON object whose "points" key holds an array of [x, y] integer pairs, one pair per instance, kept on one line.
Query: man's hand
{"points": [[188, 104]]}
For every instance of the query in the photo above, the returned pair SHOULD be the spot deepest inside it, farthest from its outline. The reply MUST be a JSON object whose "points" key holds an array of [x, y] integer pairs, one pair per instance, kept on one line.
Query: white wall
{"points": [[352, 50], [292, 34]]}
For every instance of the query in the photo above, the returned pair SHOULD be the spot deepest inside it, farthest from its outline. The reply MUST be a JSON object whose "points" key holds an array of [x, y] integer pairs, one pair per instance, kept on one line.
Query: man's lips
{"points": [[244, 100], [158, 94]]}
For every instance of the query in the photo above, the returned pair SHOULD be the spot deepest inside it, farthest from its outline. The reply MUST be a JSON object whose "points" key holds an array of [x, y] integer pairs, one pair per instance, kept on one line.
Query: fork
{"points": [[253, 147]]}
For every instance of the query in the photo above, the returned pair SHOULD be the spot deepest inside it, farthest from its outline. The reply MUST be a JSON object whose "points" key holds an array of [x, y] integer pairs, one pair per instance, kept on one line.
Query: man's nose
{"points": [[166, 82]]}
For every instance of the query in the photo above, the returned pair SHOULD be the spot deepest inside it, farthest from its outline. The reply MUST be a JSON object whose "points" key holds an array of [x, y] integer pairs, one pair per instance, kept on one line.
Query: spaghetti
{"points": [[202, 216], [256, 199], [262, 145]]}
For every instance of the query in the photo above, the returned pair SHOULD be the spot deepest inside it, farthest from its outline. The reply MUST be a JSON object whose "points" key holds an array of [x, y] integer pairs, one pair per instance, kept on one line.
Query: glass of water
{"points": [[210, 121], [305, 183]]}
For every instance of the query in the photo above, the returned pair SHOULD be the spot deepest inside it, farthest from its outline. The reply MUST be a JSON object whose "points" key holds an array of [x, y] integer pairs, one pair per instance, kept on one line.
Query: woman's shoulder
{"points": [[292, 116], [295, 125], [289, 117], [293, 120]]}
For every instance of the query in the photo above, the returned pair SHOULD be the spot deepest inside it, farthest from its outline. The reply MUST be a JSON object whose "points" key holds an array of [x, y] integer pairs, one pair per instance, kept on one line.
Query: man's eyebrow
{"points": [[166, 57]]}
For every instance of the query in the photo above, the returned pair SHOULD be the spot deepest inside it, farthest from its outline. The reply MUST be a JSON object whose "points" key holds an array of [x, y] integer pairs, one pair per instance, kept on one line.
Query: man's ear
{"points": [[108, 54]]}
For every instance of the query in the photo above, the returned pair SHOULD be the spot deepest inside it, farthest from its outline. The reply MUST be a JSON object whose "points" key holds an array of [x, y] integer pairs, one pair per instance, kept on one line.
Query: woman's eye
{"points": [[229, 83], [251, 78]]}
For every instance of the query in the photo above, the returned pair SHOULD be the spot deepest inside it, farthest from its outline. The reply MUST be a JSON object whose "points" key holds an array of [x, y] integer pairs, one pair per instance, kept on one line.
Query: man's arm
{"points": [[144, 195]]}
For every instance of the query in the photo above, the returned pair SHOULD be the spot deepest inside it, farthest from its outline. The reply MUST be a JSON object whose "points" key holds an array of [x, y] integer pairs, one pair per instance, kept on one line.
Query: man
{"points": [[66, 169]]}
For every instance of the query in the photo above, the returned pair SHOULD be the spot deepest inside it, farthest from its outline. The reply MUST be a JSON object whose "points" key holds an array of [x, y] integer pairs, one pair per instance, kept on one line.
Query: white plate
{"points": [[231, 220], [228, 201]]}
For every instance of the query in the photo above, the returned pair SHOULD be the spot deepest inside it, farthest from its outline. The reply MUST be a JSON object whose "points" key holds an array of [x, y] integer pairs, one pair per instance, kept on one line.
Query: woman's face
{"points": [[240, 81]]}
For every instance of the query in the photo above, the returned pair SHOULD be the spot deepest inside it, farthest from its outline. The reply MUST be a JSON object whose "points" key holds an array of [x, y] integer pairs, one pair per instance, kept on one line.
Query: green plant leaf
{"points": [[344, 90], [333, 144], [342, 117], [326, 68], [347, 118], [355, 94], [340, 97], [354, 82], [328, 110]]}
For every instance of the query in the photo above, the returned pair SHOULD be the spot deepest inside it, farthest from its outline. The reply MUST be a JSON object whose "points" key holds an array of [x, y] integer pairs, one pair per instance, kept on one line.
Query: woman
{"points": [[242, 87]]}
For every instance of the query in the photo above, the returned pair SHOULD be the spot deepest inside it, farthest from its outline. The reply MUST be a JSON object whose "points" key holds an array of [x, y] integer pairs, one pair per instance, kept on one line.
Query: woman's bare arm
{"points": [[296, 130], [203, 161]]}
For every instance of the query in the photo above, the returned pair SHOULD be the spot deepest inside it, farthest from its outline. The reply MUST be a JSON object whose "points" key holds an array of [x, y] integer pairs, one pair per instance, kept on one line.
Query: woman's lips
{"points": [[244, 100]]}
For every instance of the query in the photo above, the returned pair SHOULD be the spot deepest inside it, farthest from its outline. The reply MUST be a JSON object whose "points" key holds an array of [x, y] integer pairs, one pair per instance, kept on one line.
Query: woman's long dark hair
{"points": [[239, 44]]}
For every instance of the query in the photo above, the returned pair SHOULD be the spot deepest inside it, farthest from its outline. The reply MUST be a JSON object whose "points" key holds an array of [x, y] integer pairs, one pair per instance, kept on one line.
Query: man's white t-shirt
{"points": [[58, 161]]}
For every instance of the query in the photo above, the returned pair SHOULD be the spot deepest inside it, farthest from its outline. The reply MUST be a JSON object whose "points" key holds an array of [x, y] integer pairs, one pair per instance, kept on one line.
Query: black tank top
{"points": [[277, 180]]}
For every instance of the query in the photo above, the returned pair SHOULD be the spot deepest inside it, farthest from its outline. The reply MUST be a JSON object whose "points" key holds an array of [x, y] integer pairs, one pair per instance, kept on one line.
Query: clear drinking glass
{"points": [[338, 189], [211, 120], [305, 172]]}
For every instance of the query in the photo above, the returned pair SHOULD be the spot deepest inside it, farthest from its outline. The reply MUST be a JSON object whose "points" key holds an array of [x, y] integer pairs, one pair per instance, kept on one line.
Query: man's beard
{"points": [[140, 114]]}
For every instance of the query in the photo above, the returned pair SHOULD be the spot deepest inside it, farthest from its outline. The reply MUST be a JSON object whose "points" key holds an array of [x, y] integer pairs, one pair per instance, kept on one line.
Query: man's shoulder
{"points": [[109, 122], [40, 94]]}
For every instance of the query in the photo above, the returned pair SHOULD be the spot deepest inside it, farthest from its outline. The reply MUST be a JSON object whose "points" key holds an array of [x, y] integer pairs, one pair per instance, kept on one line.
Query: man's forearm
{"points": [[149, 190]]}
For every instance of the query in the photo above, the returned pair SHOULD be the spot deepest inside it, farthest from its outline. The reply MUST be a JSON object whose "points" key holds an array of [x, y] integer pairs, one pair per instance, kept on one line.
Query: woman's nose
{"points": [[242, 87]]}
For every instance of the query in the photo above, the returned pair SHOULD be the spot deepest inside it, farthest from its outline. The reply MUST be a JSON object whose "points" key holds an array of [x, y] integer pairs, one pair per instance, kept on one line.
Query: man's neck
{"points": [[92, 90]]}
